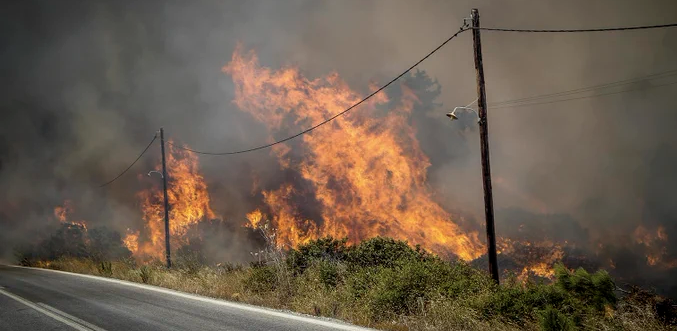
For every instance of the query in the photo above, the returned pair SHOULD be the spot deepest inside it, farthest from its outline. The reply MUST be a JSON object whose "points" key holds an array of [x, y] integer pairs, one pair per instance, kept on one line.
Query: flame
{"points": [[255, 218], [537, 258], [367, 172], [64, 212], [655, 245], [188, 201], [131, 240]]}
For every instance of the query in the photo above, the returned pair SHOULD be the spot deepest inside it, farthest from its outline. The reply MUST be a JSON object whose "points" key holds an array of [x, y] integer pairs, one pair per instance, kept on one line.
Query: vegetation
{"points": [[75, 241], [387, 284]]}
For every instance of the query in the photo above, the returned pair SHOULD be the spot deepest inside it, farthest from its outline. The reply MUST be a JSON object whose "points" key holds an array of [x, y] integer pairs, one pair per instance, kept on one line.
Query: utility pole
{"points": [[164, 187], [484, 145]]}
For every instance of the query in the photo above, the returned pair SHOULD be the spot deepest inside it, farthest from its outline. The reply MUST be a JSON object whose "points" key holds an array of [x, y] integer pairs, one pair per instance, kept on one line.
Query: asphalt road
{"points": [[38, 299]]}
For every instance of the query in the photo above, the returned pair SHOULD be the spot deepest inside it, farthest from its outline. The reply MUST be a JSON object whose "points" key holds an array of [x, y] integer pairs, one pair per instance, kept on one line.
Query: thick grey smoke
{"points": [[88, 83]]}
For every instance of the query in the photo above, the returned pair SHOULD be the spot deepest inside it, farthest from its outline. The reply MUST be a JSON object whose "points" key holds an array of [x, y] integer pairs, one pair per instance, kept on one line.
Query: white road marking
{"points": [[71, 317], [62, 317], [254, 309]]}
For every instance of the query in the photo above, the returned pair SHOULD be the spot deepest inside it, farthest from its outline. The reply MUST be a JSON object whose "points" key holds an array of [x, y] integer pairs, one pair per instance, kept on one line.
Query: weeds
{"points": [[553, 320], [145, 272], [105, 268]]}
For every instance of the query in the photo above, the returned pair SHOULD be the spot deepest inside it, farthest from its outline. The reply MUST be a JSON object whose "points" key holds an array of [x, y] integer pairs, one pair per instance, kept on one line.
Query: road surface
{"points": [[39, 299]]}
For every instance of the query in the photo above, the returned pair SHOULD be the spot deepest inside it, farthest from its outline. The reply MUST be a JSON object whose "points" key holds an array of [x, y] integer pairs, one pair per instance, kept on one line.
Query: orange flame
{"points": [[188, 201], [131, 241], [538, 258], [655, 245], [367, 173], [64, 212]]}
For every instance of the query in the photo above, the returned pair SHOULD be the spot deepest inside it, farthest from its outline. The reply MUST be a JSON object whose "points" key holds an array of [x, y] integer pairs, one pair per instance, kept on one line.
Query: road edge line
{"points": [[70, 317], [44, 311]]}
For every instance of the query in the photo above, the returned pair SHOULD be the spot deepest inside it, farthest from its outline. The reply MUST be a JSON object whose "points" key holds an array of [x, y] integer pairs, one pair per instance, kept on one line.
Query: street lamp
{"points": [[454, 117], [157, 172]]}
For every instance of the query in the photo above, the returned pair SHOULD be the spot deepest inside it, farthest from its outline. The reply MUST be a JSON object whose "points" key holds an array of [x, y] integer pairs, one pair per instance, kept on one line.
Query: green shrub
{"points": [[398, 291], [261, 279], [553, 320], [518, 303], [329, 274], [324, 249], [360, 281], [384, 252], [409, 287], [595, 290]]}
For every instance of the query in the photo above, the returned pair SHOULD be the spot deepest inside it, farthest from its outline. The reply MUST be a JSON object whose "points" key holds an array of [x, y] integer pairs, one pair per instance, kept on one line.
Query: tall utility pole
{"points": [[484, 145], [164, 187]]}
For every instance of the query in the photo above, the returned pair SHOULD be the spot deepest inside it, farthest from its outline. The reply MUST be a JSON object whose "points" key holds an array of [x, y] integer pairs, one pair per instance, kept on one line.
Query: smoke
{"points": [[88, 83]]}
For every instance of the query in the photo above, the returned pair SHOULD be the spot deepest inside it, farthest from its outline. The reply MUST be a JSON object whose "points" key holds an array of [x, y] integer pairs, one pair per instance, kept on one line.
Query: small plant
{"points": [[224, 268], [553, 320], [261, 279], [324, 249], [105, 268], [145, 272], [189, 262], [385, 252], [329, 274], [596, 290]]}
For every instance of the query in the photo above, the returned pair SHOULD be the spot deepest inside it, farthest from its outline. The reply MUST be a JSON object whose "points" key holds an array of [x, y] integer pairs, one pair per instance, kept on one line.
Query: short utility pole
{"points": [[484, 145], [164, 187]]}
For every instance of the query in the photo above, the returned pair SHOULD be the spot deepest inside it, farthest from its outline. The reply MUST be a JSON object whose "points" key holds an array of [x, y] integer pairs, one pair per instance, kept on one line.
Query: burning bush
{"points": [[74, 240]]}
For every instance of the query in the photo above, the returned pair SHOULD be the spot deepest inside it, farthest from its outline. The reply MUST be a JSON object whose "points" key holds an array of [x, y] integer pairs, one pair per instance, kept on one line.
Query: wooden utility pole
{"points": [[164, 187], [484, 145]]}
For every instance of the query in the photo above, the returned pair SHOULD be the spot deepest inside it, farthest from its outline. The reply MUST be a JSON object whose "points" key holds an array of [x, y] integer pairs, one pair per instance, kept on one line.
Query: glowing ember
{"points": [[367, 173], [188, 200]]}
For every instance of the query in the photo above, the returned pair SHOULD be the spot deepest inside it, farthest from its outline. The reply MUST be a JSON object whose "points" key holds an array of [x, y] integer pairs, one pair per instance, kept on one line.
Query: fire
{"points": [[655, 245], [537, 258], [254, 218], [64, 212], [188, 201], [367, 172], [61, 212], [131, 241]]}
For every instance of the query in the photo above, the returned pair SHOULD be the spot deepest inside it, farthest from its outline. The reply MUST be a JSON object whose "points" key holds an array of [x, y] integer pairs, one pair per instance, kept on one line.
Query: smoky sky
{"points": [[87, 83]]}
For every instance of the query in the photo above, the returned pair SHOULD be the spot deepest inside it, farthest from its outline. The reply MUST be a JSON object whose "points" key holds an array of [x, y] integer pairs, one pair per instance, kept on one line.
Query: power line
{"points": [[644, 27], [502, 104], [462, 29], [588, 89], [583, 97], [133, 163]]}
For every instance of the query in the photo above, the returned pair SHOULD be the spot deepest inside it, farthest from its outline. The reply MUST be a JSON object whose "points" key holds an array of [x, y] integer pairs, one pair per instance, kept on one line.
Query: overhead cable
{"points": [[462, 29], [582, 97], [644, 27], [587, 89], [133, 163]]}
